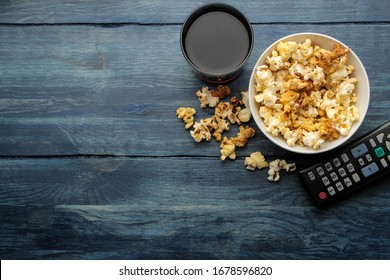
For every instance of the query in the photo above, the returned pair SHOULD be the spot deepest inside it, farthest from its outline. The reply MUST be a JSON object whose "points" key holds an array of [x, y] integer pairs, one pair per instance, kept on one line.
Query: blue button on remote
{"points": [[370, 169], [359, 150]]}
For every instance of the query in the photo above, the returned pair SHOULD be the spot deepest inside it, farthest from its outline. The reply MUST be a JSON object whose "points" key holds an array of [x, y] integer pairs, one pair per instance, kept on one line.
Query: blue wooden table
{"points": [[94, 163]]}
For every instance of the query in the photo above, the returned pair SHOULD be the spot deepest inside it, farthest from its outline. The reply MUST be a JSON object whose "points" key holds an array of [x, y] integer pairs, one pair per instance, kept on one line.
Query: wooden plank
{"points": [[174, 11], [153, 208], [69, 90], [177, 181], [146, 180], [199, 232]]}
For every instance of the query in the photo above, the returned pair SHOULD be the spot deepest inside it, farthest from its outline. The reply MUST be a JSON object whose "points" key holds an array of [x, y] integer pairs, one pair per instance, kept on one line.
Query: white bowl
{"points": [[362, 90]]}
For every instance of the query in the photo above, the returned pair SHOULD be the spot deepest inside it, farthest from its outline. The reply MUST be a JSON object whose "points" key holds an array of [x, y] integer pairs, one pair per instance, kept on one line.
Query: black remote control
{"points": [[353, 166]]}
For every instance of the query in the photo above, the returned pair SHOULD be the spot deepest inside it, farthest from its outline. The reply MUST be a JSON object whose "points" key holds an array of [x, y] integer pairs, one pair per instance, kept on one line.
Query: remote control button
{"points": [[368, 158], [342, 172], [325, 180], [370, 169], [328, 166], [361, 161], [379, 137], [331, 191], [336, 162], [359, 150], [347, 182], [379, 152], [320, 171], [356, 177], [384, 163], [350, 167], [311, 175], [322, 195], [388, 145], [333, 176], [372, 143], [345, 157], [339, 186]]}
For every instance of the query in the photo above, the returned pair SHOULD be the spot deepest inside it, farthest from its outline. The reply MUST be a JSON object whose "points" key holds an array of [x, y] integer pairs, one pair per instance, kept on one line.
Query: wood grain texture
{"points": [[94, 163], [174, 11], [165, 181], [148, 208], [89, 90], [197, 232]]}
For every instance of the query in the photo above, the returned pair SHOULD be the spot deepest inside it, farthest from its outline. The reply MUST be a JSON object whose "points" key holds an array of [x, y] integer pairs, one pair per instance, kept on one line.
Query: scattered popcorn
{"points": [[277, 165], [214, 125], [255, 160], [219, 125], [206, 98], [228, 146], [227, 149], [221, 91], [227, 110], [187, 114], [243, 136], [237, 111], [233, 112], [245, 114], [306, 93], [201, 131]]}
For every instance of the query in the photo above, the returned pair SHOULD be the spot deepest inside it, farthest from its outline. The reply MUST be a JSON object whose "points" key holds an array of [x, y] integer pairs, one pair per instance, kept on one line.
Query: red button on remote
{"points": [[322, 195]]}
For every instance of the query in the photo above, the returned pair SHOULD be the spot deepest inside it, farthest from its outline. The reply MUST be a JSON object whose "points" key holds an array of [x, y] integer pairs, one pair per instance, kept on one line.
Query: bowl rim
{"points": [[303, 149]]}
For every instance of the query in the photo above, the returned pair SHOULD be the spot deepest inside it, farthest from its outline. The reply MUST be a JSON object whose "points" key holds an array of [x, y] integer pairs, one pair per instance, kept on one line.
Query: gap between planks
{"points": [[122, 24]]}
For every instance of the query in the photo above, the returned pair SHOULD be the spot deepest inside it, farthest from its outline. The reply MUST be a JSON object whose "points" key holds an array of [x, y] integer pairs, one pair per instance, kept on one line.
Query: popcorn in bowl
{"points": [[304, 96]]}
